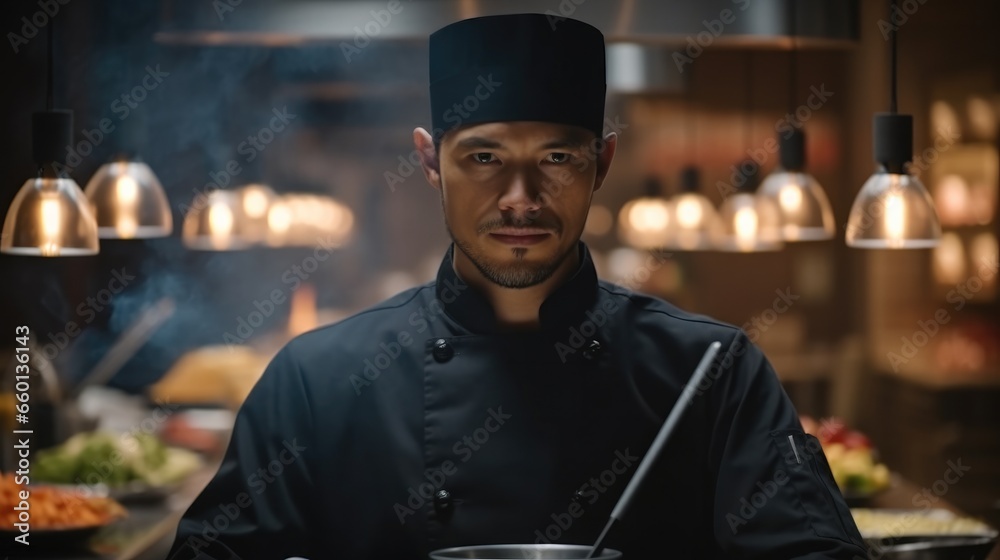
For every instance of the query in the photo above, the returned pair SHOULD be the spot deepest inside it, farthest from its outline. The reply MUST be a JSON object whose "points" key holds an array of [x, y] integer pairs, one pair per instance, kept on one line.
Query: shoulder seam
{"points": [[628, 296]]}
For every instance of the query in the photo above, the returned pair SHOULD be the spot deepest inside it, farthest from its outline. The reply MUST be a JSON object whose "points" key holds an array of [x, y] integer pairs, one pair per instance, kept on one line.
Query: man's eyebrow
{"points": [[568, 141], [477, 142]]}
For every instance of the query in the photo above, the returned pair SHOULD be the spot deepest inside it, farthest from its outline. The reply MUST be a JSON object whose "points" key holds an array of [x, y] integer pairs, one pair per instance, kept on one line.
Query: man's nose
{"points": [[520, 196]]}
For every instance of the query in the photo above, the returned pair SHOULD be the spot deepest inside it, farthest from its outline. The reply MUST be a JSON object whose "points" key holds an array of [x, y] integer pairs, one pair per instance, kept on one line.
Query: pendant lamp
{"points": [[694, 222], [804, 208], [50, 216], [750, 222], [129, 200], [256, 200], [893, 210], [216, 222], [644, 222]]}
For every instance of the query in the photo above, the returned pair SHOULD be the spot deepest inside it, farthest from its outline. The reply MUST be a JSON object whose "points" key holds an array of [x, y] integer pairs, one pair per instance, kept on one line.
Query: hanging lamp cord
{"points": [[688, 128], [49, 56], [892, 58], [748, 120], [690, 120], [793, 58]]}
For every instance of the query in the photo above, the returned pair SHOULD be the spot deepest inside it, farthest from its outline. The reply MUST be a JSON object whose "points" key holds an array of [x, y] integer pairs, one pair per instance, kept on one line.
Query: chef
{"points": [[511, 399]]}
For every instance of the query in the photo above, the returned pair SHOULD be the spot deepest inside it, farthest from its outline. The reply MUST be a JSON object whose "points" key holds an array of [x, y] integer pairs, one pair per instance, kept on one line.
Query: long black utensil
{"points": [[658, 444]]}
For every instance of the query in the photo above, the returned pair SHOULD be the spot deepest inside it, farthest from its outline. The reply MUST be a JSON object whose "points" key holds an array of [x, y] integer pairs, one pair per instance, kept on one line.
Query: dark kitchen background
{"points": [[321, 98]]}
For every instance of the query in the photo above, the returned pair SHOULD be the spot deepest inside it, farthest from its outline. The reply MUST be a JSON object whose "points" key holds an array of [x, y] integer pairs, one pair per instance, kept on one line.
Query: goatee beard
{"points": [[516, 276]]}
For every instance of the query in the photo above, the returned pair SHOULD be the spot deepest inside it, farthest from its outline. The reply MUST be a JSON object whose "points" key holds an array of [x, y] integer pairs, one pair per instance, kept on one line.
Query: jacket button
{"points": [[592, 350], [442, 350], [442, 500], [578, 496]]}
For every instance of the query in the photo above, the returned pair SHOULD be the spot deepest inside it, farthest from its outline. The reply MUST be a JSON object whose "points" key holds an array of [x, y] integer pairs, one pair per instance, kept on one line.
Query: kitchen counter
{"points": [[143, 535], [900, 496], [148, 531]]}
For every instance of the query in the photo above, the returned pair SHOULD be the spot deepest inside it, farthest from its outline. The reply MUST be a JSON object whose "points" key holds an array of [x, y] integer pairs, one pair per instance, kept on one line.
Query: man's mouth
{"points": [[520, 236]]}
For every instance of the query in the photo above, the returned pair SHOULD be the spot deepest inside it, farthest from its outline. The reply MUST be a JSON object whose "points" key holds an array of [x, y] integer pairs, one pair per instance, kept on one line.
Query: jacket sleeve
{"points": [[258, 503], [775, 496]]}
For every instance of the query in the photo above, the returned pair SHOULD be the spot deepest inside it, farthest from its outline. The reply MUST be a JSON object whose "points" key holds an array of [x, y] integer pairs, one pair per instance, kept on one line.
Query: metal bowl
{"points": [[523, 551]]}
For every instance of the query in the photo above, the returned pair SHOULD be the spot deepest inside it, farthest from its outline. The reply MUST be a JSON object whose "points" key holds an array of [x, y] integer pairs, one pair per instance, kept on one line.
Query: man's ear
{"points": [[604, 158], [429, 161]]}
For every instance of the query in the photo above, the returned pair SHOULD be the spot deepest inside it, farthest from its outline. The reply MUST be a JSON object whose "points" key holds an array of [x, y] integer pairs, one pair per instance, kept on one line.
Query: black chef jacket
{"points": [[415, 425]]}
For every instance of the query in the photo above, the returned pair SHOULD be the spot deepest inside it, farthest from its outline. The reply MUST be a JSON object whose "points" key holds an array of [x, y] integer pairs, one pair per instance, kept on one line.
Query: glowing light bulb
{"points": [[790, 198], [127, 190], [220, 223], [745, 223], [279, 219], [648, 217], [255, 202], [689, 214], [126, 197], [51, 218], [895, 219]]}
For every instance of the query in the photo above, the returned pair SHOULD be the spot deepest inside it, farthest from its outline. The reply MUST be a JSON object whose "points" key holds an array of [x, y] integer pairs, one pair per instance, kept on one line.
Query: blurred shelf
{"points": [[944, 380]]}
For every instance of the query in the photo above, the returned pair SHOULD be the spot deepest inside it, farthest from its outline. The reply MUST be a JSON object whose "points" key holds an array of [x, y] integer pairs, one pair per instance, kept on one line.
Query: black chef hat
{"points": [[519, 67]]}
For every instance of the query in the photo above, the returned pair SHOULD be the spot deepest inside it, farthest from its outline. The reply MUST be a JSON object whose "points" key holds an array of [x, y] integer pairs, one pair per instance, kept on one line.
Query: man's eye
{"points": [[484, 157], [557, 157]]}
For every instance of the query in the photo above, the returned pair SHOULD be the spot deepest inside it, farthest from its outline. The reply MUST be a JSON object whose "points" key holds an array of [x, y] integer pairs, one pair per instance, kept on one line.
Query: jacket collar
{"points": [[563, 307]]}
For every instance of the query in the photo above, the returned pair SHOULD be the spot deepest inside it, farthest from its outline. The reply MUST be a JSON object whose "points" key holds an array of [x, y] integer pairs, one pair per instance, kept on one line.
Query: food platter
{"points": [[128, 468], [58, 517], [132, 492], [854, 461], [924, 534]]}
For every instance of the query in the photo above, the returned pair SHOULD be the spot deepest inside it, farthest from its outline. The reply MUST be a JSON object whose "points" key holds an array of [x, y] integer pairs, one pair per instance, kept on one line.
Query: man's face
{"points": [[516, 194]]}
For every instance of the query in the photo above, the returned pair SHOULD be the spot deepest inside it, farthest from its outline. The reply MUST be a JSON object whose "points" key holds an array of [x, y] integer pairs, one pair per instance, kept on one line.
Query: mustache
{"points": [[520, 221]]}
